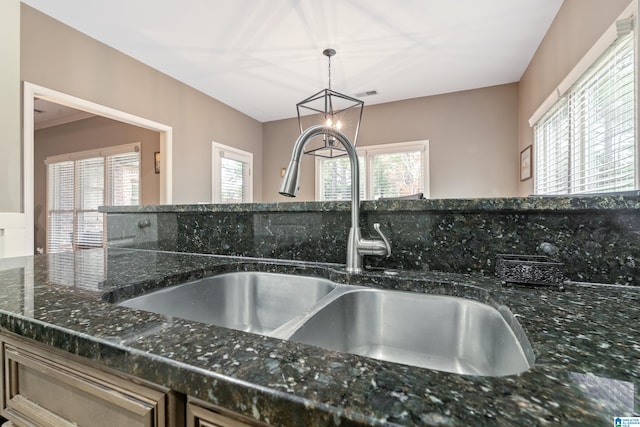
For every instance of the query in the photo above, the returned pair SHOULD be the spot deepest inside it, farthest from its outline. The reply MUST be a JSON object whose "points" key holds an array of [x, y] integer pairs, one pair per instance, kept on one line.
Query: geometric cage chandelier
{"points": [[332, 109]]}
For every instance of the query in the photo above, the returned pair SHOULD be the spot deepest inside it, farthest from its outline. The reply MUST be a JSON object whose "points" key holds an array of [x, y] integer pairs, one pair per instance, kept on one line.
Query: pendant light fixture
{"points": [[332, 109]]}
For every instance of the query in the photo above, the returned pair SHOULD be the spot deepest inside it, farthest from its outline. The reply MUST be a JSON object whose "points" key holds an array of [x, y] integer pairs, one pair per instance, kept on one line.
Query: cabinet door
{"points": [[200, 416], [42, 388]]}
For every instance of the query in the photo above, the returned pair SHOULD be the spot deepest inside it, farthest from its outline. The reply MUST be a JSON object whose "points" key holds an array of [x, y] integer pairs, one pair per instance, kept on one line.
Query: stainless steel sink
{"points": [[439, 332], [431, 331], [247, 301]]}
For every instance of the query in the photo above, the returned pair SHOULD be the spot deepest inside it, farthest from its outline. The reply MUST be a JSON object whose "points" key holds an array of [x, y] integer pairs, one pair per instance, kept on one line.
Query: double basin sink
{"points": [[439, 332]]}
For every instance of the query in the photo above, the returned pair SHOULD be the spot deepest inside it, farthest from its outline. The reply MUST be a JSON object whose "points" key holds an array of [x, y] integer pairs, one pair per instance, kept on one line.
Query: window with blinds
{"points": [[586, 142], [231, 174], [389, 170], [77, 184], [396, 174], [335, 178], [61, 206]]}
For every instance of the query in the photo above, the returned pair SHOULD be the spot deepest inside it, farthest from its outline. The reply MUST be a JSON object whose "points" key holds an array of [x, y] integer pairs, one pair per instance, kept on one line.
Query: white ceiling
{"points": [[47, 114], [263, 56]]}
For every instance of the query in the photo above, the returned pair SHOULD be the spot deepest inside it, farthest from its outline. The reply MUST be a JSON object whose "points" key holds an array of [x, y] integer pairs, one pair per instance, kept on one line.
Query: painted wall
{"points": [[10, 108], [90, 134], [577, 26], [56, 56], [472, 142]]}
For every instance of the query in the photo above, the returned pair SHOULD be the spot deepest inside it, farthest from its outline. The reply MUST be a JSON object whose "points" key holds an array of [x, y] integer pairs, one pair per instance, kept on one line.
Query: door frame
{"points": [[31, 91]]}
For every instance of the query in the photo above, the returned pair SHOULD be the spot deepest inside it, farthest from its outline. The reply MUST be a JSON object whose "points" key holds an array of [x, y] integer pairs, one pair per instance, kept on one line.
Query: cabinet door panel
{"points": [[42, 391], [199, 416]]}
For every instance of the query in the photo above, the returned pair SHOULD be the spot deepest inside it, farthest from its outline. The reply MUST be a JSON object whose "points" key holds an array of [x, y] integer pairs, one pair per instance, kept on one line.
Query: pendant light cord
{"points": [[329, 53], [329, 73]]}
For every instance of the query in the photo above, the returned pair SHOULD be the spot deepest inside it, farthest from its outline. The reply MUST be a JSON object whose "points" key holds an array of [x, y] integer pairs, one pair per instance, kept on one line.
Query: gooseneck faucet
{"points": [[357, 247]]}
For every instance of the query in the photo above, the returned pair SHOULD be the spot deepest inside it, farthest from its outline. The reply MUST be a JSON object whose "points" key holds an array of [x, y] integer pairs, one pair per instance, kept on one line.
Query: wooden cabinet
{"points": [[43, 388], [202, 414]]}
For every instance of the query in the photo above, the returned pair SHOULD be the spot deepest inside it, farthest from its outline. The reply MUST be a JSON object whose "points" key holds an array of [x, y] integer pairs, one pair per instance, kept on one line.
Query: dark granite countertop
{"points": [[585, 340], [521, 204]]}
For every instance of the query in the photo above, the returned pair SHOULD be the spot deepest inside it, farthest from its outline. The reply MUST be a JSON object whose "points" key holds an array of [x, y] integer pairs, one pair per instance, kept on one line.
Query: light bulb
{"points": [[339, 125], [329, 123]]}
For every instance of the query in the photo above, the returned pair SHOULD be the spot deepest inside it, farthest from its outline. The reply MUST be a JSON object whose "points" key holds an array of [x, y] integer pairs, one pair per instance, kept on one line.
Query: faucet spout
{"points": [[356, 245]]}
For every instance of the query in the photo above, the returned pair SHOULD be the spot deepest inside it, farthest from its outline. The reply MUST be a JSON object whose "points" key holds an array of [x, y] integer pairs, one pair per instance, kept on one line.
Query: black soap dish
{"points": [[529, 270]]}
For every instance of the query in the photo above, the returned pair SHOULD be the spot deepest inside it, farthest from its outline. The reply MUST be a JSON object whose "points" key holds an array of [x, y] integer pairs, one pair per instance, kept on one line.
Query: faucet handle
{"points": [[387, 244]]}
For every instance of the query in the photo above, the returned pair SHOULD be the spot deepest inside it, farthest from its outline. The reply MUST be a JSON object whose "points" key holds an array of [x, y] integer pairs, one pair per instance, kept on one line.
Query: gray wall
{"points": [[10, 108], [577, 26], [473, 141], [90, 134]]}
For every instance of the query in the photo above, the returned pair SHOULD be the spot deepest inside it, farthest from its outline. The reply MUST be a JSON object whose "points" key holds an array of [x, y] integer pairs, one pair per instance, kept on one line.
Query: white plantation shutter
{"points": [[77, 187], [586, 142]]}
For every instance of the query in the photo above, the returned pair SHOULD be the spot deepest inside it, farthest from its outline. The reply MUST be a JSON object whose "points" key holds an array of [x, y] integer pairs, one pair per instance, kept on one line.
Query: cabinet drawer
{"points": [[43, 388]]}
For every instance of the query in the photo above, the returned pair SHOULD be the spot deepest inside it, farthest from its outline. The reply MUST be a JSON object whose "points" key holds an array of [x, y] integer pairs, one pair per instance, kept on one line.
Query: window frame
{"points": [[367, 152], [219, 151]]}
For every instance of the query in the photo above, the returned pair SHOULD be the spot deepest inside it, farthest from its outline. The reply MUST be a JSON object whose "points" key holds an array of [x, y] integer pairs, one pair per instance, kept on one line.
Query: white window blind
{"points": [[586, 142], [231, 174], [335, 176], [389, 170], [89, 195], [123, 179], [61, 206], [234, 179], [77, 187], [396, 174]]}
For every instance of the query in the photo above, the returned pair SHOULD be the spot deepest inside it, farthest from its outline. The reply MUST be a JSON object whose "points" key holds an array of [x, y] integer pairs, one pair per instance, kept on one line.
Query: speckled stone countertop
{"points": [[575, 203], [596, 237], [585, 340]]}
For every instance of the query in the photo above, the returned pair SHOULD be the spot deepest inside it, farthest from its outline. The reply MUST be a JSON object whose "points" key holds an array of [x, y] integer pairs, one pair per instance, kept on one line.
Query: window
{"points": [[333, 178], [231, 174], [78, 183], [389, 170], [585, 143]]}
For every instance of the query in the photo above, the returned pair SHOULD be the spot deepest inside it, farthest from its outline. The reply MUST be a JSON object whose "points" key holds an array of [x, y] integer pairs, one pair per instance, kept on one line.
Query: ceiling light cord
{"points": [[329, 53], [329, 72]]}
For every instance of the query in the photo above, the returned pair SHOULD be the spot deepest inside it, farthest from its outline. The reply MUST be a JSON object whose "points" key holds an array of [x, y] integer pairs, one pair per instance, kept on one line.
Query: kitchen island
{"points": [[585, 340]]}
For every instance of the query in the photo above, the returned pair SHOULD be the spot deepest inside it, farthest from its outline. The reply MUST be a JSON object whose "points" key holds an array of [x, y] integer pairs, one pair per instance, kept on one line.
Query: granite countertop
{"points": [[629, 201], [585, 340]]}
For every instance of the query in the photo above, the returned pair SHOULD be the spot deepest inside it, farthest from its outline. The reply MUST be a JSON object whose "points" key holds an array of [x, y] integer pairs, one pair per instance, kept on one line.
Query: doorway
{"points": [[33, 92]]}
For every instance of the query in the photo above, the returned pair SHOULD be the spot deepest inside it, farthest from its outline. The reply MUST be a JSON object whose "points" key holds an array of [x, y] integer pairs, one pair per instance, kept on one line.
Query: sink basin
{"points": [[431, 331], [438, 332], [248, 301]]}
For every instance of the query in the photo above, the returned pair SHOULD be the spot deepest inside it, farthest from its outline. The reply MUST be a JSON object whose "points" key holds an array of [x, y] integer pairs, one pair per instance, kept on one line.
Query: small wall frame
{"points": [[526, 164]]}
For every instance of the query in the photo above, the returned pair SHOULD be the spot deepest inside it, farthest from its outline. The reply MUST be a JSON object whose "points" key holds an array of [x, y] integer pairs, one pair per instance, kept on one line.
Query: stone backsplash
{"points": [[597, 238]]}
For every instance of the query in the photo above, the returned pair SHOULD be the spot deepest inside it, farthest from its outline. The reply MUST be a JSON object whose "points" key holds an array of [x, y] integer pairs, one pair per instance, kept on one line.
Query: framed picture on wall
{"points": [[526, 165]]}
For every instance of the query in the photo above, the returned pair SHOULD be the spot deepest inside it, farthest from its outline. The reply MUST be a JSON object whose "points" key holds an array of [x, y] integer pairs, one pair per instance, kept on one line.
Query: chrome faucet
{"points": [[357, 247]]}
